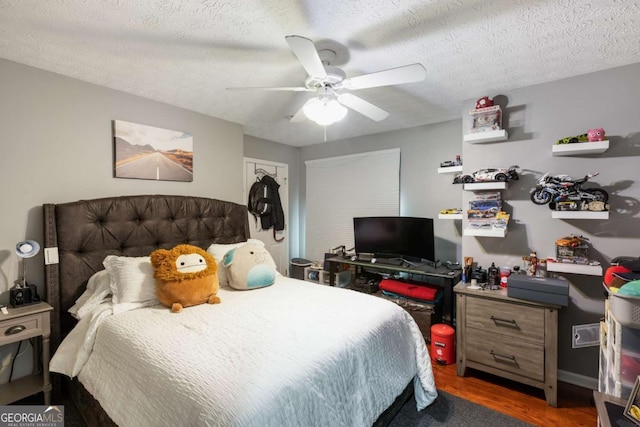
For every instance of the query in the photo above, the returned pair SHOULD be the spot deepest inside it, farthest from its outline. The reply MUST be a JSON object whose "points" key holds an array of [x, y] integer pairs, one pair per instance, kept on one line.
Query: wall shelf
{"points": [[580, 214], [450, 169], [489, 136], [479, 232], [565, 267], [450, 216], [596, 147], [474, 186]]}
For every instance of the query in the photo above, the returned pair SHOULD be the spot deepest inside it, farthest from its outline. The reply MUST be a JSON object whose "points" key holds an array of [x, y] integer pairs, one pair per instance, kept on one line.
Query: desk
{"points": [[439, 276]]}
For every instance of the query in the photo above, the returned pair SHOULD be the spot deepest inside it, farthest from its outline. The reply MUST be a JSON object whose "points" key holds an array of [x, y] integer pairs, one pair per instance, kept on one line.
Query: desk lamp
{"points": [[22, 293]]}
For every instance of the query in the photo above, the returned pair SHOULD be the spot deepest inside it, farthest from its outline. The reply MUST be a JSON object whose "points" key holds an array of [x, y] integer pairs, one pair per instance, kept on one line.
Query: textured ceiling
{"points": [[186, 52]]}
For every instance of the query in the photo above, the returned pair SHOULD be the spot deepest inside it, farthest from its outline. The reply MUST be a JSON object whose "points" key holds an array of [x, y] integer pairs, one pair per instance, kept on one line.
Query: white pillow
{"points": [[219, 250], [132, 283], [98, 290]]}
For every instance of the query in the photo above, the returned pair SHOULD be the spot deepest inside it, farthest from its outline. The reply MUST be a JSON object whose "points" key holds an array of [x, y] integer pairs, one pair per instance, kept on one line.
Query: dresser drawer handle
{"points": [[497, 319], [504, 356], [15, 330]]}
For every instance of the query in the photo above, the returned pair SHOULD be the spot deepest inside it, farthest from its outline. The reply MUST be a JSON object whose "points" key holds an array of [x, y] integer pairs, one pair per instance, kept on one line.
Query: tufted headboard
{"points": [[86, 231]]}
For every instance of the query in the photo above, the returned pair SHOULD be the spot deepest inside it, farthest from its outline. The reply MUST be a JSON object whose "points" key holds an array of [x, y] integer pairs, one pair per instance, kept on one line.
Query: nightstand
{"points": [[508, 337], [21, 323]]}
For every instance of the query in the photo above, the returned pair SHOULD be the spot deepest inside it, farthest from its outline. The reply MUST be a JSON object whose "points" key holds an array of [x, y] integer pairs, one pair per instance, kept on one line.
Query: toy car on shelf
{"points": [[570, 241], [449, 163], [568, 206], [591, 135], [573, 139], [503, 215], [501, 220], [573, 249], [453, 211], [489, 175]]}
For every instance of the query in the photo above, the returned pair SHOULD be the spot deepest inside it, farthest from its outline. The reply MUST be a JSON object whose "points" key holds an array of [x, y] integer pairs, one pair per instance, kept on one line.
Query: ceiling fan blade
{"points": [[394, 76], [284, 88], [363, 107], [305, 51]]}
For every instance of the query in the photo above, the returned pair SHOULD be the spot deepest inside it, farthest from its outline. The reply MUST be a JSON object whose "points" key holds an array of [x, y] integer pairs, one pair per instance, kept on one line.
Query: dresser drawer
{"points": [[21, 328], [513, 320], [506, 353]]}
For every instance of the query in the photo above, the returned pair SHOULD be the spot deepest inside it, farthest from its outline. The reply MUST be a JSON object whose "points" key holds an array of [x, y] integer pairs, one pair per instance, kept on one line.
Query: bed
{"points": [[293, 353]]}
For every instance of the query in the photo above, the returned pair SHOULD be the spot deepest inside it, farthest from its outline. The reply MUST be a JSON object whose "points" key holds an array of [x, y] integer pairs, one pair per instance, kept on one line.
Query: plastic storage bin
{"points": [[297, 267], [626, 309], [619, 357]]}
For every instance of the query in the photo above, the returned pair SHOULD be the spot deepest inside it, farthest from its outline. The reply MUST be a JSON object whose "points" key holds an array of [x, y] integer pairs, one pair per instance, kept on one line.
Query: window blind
{"points": [[341, 188]]}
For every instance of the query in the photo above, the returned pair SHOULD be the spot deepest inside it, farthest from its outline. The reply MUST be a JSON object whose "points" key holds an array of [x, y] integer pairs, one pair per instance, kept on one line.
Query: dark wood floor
{"points": [[575, 404]]}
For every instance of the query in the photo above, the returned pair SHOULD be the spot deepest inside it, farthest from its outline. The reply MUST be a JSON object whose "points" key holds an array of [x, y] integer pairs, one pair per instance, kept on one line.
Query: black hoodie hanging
{"points": [[264, 203]]}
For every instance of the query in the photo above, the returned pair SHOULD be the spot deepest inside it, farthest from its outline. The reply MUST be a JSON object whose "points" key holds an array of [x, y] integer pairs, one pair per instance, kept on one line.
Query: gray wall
{"points": [[536, 117], [423, 193], [57, 147]]}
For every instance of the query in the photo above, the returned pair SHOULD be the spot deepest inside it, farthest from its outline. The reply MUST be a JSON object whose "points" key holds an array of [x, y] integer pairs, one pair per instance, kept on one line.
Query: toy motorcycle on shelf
{"points": [[562, 188]]}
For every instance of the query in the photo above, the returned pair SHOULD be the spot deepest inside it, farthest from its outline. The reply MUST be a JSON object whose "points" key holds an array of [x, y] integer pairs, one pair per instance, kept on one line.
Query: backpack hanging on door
{"points": [[264, 203], [259, 202]]}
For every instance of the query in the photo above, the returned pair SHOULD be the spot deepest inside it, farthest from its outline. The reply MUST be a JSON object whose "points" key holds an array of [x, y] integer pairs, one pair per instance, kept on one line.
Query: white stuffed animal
{"points": [[249, 266]]}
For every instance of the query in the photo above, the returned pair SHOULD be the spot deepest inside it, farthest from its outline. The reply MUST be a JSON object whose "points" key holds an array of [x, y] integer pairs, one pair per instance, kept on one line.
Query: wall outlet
{"points": [[586, 335]]}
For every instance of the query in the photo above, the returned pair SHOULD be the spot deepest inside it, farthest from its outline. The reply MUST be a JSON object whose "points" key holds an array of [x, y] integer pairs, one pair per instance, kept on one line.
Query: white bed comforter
{"points": [[292, 354]]}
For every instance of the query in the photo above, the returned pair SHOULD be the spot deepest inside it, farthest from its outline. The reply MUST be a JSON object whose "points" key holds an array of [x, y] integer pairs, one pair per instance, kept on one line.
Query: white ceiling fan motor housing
{"points": [[334, 76]]}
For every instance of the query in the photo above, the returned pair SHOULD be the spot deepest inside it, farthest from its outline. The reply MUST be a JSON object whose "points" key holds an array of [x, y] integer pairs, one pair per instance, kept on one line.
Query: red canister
{"points": [[443, 341], [505, 272]]}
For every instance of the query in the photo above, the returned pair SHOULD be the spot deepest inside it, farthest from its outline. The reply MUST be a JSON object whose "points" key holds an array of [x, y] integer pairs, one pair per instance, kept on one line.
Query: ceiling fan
{"points": [[330, 82]]}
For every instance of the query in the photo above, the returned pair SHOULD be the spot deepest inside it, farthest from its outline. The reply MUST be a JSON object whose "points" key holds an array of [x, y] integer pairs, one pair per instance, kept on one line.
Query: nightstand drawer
{"points": [[514, 320], [21, 328], [507, 354]]}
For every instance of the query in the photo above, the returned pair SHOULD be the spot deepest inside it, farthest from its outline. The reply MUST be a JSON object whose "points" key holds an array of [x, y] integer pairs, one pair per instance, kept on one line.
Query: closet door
{"points": [[279, 250]]}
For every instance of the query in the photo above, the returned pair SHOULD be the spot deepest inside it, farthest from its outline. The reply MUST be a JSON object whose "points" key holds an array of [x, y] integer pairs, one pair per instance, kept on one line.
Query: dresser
{"points": [[508, 337]]}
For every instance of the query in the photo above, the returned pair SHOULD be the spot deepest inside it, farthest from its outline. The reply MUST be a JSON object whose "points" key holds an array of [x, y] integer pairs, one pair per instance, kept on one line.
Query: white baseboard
{"points": [[577, 379]]}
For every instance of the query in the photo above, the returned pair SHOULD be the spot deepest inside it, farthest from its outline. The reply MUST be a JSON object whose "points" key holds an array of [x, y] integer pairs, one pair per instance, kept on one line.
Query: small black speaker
{"points": [[20, 296]]}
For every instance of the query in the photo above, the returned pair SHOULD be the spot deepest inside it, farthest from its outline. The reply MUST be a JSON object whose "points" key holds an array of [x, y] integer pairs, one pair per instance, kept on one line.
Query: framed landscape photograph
{"points": [[147, 152], [632, 410]]}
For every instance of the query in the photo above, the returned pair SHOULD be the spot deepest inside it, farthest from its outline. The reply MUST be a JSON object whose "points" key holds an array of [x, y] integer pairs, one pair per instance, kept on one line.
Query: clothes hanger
{"points": [[259, 172]]}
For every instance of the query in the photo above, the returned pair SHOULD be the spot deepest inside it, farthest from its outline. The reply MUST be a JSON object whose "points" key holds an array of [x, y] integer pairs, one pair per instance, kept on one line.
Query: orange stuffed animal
{"points": [[185, 276]]}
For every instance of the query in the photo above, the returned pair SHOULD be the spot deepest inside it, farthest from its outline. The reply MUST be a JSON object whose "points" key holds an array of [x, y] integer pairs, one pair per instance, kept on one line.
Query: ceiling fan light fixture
{"points": [[325, 111]]}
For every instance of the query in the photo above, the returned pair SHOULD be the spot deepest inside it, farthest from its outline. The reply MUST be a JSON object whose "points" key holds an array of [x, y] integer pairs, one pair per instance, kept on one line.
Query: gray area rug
{"points": [[450, 410]]}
